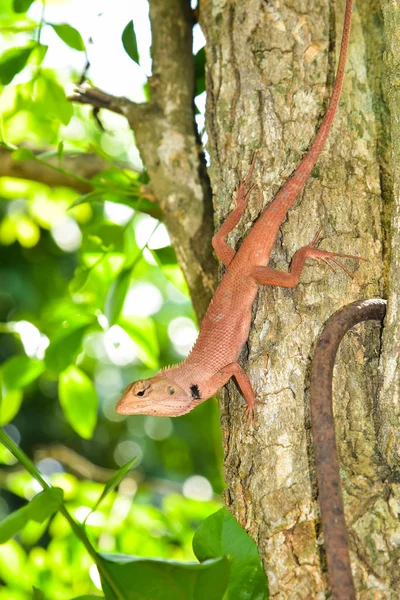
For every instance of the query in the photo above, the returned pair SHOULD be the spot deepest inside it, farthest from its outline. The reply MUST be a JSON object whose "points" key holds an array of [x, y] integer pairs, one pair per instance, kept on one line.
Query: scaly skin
{"points": [[225, 328]]}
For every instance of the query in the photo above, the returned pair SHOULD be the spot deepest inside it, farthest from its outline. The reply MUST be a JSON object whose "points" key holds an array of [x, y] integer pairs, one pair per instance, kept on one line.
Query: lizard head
{"points": [[158, 396]]}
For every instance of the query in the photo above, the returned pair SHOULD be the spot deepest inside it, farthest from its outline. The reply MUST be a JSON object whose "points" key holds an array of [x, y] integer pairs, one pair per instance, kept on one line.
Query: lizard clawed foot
{"points": [[244, 188], [247, 178], [250, 412], [324, 256]]}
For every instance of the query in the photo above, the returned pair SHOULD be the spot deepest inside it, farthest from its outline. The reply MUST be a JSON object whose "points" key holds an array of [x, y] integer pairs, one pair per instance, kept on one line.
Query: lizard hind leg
{"points": [[269, 276]]}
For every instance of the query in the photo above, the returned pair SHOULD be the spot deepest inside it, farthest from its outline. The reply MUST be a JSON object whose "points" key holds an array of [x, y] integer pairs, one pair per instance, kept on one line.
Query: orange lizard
{"points": [[225, 328]]}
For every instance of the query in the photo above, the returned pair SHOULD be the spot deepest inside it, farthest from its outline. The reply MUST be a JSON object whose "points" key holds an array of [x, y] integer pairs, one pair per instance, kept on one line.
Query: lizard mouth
{"points": [[129, 404], [125, 406]]}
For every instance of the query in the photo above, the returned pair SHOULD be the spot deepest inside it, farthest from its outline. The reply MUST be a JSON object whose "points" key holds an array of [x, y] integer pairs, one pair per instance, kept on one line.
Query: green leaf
{"points": [[117, 176], [165, 256], [17, 372], [69, 36], [20, 6], [65, 347], [20, 371], [137, 202], [79, 279], [60, 152], [38, 594], [53, 97], [116, 295], [147, 91], [156, 579], [23, 154], [129, 42], [40, 53], [200, 71], [78, 399], [89, 197], [11, 401], [114, 481], [221, 534], [89, 597], [143, 332], [130, 246], [40, 508], [13, 61]]}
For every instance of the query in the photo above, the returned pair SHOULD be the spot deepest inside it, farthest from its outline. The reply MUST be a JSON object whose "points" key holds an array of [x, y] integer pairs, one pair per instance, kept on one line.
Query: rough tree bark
{"points": [[388, 409], [270, 69]]}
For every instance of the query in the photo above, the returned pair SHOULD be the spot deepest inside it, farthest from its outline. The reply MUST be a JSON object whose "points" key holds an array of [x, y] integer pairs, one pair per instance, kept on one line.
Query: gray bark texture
{"points": [[165, 133], [388, 408], [270, 69]]}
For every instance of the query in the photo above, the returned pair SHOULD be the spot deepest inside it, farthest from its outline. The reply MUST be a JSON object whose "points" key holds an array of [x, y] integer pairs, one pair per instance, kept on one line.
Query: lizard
{"points": [[176, 390]]}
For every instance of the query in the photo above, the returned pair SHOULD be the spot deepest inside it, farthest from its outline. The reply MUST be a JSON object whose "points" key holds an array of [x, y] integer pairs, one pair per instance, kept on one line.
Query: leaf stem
{"points": [[41, 22], [76, 527], [63, 171]]}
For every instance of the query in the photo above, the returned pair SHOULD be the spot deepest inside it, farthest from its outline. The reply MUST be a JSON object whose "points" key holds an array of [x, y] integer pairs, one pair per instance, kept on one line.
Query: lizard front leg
{"points": [[220, 378], [269, 276], [223, 251]]}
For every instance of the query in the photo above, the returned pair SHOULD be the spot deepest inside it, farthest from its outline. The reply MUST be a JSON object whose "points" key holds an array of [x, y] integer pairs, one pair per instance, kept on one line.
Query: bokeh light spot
{"points": [[197, 488]]}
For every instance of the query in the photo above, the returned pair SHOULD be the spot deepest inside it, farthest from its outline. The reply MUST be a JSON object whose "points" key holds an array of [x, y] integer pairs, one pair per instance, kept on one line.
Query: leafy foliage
{"points": [[40, 508], [93, 293], [127, 577]]}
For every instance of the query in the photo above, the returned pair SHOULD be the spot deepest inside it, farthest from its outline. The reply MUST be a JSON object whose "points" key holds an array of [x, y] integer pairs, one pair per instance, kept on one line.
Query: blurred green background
{"points": [[91, 298]]}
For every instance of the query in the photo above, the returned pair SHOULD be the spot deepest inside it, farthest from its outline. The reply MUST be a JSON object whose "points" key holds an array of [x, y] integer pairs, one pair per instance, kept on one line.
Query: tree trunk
{"points": [[388, 411], [270, 69]]}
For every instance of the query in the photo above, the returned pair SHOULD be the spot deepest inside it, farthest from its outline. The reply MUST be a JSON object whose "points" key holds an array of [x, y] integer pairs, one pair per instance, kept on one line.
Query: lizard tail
{"points": [[293, 186]]}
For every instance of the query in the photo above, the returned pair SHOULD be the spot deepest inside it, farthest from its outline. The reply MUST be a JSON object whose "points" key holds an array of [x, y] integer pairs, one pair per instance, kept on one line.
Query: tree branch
{"points": [[99, 99], [166, 136], [83, 165]]}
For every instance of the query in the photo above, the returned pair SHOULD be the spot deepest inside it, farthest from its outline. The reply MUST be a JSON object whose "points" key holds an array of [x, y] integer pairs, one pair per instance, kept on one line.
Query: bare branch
{"points": [[171, 26], [99, 99], [83, 165]]}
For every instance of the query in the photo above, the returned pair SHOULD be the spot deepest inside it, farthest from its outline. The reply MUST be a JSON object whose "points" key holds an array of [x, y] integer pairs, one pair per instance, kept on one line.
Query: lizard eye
{"points": [[170, 390], [141, 393]]}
